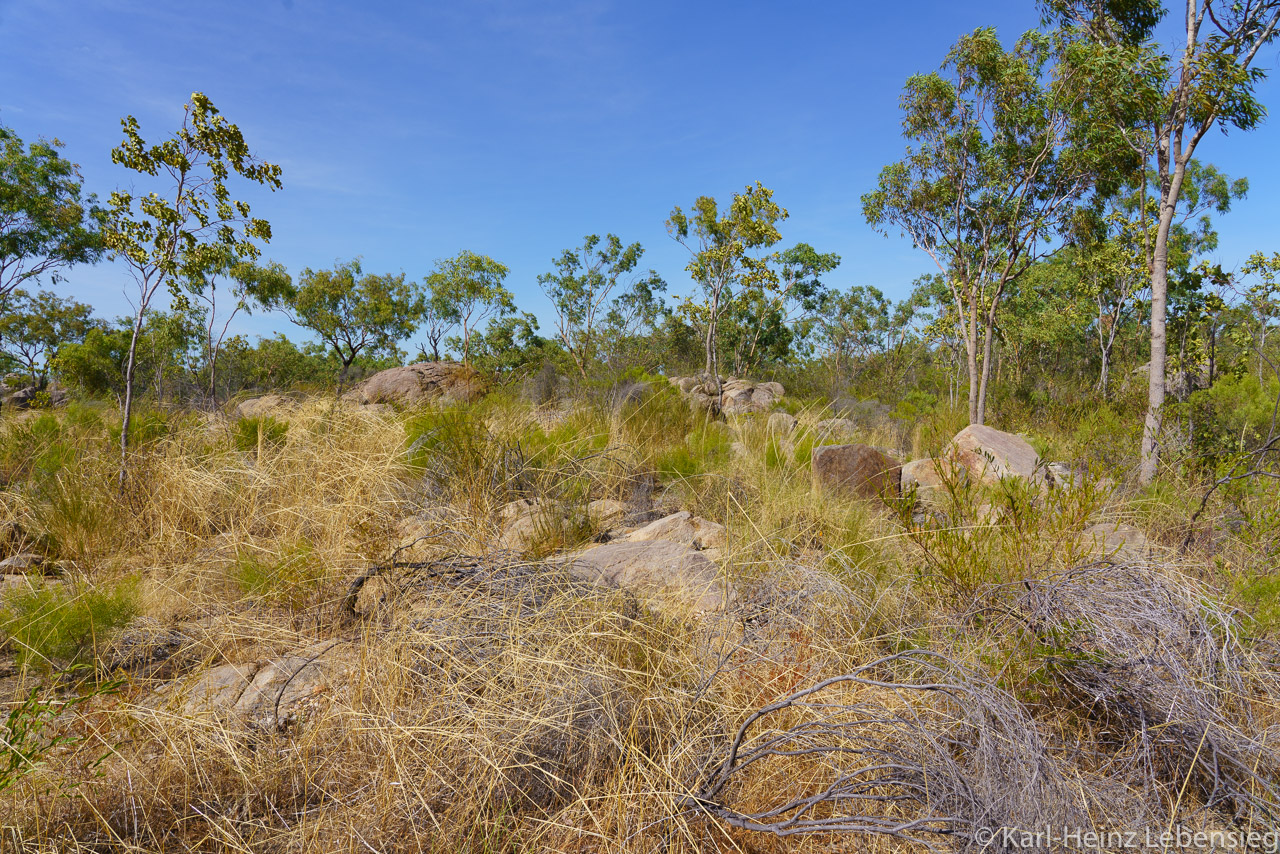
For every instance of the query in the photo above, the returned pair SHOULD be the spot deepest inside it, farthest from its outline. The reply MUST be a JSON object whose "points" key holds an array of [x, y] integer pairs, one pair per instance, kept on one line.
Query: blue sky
{"points": [[411, 130]]}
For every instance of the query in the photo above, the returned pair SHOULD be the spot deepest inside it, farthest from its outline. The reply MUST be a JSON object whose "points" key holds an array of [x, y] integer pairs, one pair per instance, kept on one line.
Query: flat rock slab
{"points": [[21, 564], [684, 528], [857, 470], [265, 692], [671, 577]]}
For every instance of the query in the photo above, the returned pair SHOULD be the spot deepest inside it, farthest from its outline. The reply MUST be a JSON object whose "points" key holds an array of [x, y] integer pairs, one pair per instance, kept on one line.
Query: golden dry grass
{"points": [[502, 712]]}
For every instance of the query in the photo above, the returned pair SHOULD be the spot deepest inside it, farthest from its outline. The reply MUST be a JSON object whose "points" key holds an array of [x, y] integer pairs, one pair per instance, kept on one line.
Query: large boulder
{"points": [[925, 476], [670, 577], [858, 470], [25, 398], [989, 454], [414, 385], [267, 405]]}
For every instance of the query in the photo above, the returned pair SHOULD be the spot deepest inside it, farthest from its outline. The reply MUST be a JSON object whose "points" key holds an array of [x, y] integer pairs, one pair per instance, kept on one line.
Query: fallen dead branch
{"points": [[910, 746]]}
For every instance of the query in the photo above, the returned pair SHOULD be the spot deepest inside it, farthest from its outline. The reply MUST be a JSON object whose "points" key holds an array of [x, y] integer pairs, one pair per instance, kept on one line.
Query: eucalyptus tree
{"points": [[224, 289], [580, 290], [354, 312], [468, 290], [998, 162], [1114, 241], [35, 326], [46, 221], [768, 316], [1166, 102], [167, 236], [728, 253]]}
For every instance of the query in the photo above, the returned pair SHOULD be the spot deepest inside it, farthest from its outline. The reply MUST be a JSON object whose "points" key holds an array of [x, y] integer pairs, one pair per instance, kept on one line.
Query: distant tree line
{"points": [[1053, 182]]}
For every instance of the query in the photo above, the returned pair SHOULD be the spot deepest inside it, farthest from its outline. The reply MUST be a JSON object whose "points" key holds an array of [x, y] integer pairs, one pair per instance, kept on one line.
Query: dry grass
{"points": [[491, 704]]}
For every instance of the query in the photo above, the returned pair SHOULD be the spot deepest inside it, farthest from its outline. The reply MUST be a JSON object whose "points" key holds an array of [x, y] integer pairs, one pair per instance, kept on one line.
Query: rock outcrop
{"points": [[27, 397], [267, 405], [735, 396], [670, 577], [926, 477], [858, 470], [414, 385]]}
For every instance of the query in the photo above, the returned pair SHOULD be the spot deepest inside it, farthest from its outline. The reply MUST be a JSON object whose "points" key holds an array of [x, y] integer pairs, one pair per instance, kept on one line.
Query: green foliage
{"points": [[998, 161], [727, 255], [466, 290], [249, 286], [24, 740], [36, 450], [705, 448], [34, 327], [1260, 593], [165, 239], [255, 433], [48, 224], [579, 291], [290, 578], [1234, 415], [511, 346], [353, 312], [55, 626]]}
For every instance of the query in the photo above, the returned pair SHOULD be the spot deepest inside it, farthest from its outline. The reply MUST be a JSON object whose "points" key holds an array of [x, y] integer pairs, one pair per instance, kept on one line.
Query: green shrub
{"points": [[57, 626], [1233, 415], [292, 579], [255, 433]]}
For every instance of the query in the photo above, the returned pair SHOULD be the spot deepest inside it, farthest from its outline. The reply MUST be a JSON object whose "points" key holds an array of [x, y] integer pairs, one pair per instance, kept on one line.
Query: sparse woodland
{"points": [[771, 562]]}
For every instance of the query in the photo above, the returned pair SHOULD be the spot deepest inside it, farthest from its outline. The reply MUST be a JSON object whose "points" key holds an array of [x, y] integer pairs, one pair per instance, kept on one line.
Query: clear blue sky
{"points": [[411, 130]]}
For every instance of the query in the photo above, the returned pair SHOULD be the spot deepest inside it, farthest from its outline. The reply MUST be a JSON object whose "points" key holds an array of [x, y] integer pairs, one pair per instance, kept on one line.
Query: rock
{"points": [[286, 682], [13, 584], [27, 397], [415, 534], [925, 477], [525, 522], [1117, 541], [782, 423], [990, 454], [21, 564], [858, 470], [773, 388], [414, 385], [606, 512], [519, 534], [736, 396], [670, 577], [273, 405], [218, 689], [256, 691], [684, 528], [1061, 476], [841, 428]]}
